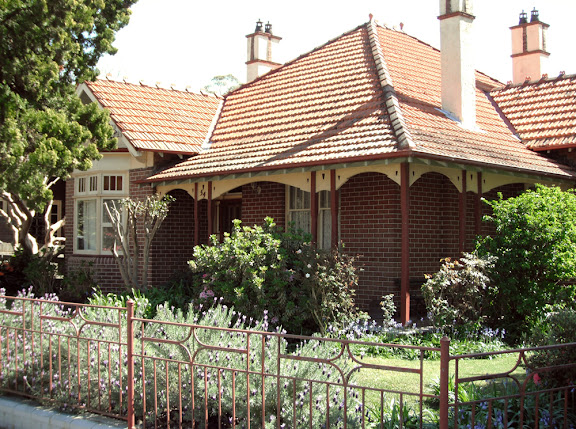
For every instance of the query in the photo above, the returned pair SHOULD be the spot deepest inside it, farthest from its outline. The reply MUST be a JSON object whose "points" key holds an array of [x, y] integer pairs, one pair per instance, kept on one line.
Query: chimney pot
{"points": [[268, 28], [535, 16], [523, 18], [258, 26]]}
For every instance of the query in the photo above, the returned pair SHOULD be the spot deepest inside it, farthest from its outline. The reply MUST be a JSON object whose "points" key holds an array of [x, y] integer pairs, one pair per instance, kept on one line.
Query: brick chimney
{"points": [[457, 54], [260, 47], [529, 54]]}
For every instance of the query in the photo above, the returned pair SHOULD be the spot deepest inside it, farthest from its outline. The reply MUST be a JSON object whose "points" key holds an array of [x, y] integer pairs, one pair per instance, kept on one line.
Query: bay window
{"points": [[94, 232]]}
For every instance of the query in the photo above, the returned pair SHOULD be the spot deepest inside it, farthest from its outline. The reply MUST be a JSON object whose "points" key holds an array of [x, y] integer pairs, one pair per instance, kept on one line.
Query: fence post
{"points": [[444, 380], [130, 353]]}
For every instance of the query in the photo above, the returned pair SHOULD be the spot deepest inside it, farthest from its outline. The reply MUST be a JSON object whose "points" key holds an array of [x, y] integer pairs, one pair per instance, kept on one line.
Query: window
{"points": [[94, 232], [299, 214]]}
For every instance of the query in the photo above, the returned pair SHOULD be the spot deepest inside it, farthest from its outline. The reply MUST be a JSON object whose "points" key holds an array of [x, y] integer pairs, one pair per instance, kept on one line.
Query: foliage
{"points": [[130, 250], [262, 270], [394, 414], [557, 327], [42, 272], [535, 246], [456, 294], [498, 405], [178, 292], [222, 85], [462, 341], [388, 309], [45, 130], [78, 283]]}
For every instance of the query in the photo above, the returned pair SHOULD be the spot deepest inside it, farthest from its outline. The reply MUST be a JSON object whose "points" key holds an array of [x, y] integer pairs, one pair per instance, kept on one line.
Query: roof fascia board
{"points": [[392, 105], [409, 159]]}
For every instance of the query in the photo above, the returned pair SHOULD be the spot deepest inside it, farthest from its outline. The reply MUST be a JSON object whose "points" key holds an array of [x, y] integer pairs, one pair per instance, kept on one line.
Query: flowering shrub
{"points": [[456, 294], [260, 268]]}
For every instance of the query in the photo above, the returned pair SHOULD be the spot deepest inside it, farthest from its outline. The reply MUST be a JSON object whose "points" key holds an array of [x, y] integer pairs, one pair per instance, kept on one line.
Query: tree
{"points": [[222, 85], [535, 246], [130, 250], [45, 130]]}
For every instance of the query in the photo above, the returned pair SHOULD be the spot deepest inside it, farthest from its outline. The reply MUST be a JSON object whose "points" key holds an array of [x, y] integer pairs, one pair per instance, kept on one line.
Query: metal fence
{"points": [[169, 374]]}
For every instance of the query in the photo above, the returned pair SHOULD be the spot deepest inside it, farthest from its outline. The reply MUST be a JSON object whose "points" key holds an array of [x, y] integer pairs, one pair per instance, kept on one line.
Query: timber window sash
{"points": [[93, 228], [299, 214]]}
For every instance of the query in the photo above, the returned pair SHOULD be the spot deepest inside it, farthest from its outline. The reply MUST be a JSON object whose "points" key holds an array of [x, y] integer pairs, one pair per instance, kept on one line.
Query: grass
{"points": [[401, 381]]}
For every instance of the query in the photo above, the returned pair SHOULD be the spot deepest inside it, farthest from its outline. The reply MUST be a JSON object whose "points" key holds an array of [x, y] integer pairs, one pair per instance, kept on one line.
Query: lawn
{"points": [[400, 381]]}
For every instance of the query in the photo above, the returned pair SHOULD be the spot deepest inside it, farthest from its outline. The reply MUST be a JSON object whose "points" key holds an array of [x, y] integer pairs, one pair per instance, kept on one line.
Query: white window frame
{"points": [[324, 207], [90, 187]]}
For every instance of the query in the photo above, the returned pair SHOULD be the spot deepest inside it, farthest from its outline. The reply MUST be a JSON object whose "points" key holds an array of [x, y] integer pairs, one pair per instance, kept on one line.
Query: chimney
{"points": [[457, 53], [529, 54], [260, 46]]}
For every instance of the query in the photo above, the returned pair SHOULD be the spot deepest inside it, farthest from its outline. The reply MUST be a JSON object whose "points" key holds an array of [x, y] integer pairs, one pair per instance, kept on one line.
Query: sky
{"points": [[186, 43]]}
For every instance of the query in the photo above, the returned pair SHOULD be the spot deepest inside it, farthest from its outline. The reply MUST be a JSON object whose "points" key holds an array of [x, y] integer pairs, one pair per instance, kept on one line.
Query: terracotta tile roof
{"points": [[338, 104], [157, 119], [415, 70], [542, 112]]}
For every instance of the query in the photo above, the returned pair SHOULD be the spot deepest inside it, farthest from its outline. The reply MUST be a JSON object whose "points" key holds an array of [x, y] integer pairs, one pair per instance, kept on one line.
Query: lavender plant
{"points": [[235, 373]]}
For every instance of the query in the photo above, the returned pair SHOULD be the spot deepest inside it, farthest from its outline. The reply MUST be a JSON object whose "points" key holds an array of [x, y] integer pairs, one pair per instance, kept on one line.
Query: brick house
{"points": [[375, 139]]}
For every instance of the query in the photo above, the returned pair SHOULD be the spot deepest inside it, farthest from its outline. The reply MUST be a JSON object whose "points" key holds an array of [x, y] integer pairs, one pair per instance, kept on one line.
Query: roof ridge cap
{"points": [[545, 78], [399, 126], [299, 57], [143, 84]]}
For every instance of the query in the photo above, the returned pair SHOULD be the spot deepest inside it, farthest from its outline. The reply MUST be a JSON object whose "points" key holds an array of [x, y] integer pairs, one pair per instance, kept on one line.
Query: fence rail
{"points": [[165, 374]]}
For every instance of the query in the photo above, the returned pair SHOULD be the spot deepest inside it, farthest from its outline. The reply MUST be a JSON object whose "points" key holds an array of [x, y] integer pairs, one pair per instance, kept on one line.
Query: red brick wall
{"points": [[370, 226], [174, 242], [263, 199]]}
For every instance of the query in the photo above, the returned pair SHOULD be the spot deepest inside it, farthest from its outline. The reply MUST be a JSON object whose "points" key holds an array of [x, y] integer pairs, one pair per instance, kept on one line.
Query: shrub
{"points": [[557, 327], [78, 283], [261, 270], [456, 294], [535, 246]]}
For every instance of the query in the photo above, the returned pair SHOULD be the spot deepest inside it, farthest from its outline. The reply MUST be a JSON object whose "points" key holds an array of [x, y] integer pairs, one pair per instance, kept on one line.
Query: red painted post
{"points": [[313, 208], [462, 215], [196, 217], [210, 220], [478, 206], [444, 379], [405, 264], [334, 209], [130, 353]]}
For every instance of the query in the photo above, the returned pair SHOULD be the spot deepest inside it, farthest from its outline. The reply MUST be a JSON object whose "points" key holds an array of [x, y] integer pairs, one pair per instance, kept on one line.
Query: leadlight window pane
{"points": [[93, 183], [299, 199], [301, 220], [325, 230], [324, 199]]}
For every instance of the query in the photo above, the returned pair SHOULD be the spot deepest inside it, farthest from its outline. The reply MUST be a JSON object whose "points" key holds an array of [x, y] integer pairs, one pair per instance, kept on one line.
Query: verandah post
{"points": [[444, 380], [130, 353]]}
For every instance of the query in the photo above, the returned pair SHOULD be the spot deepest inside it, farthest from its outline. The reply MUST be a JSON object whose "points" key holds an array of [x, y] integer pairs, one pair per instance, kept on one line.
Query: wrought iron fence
{"points": [[167, 374]]}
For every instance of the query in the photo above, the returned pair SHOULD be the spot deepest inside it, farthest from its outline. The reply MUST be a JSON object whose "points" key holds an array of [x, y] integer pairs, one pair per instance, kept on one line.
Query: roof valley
{"points": [[392, 105]]}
